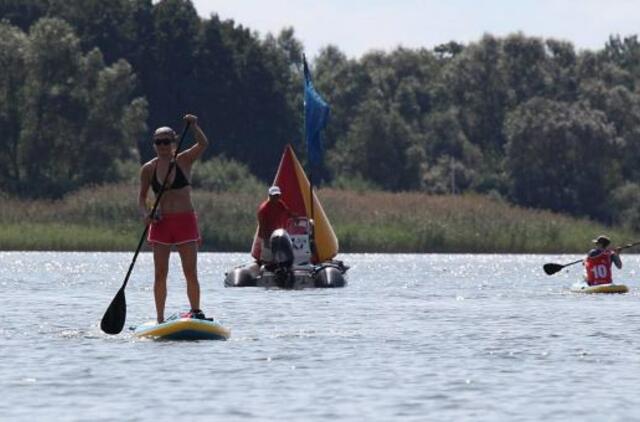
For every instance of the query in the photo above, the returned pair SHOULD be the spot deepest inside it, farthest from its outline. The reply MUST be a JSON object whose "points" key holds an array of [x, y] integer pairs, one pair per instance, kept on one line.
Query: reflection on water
{"points": [[412, 337]]}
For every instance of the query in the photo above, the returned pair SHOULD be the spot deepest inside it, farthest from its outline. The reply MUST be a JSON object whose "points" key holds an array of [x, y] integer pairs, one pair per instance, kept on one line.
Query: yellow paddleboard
{"points": [[582, 287], [176, 328]]}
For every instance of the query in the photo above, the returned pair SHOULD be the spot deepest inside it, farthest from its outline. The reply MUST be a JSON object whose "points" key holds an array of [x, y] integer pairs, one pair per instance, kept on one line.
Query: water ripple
{"points": [[413, 337]]}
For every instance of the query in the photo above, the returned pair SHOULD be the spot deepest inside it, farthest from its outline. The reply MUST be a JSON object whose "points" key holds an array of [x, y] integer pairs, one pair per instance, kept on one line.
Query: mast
{"points": [[316, 113]]}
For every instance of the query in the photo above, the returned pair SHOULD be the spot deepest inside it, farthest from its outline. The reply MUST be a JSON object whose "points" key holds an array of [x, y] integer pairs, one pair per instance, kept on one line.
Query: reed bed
{"points": [[105, 218], [414, 222]]}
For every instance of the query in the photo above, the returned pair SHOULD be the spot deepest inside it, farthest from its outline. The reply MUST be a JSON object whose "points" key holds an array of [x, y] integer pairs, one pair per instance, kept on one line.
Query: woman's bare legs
{"points": [[189, 257], [161, 264]]}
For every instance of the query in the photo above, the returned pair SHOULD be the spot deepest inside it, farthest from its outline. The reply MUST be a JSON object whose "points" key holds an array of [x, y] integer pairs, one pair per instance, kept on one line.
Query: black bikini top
{"points": [[179, 181]]}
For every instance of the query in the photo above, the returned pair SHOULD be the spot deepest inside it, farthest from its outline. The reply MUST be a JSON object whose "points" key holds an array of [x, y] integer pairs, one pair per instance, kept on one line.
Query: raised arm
{"points": [[616, 258], [201, 144]]}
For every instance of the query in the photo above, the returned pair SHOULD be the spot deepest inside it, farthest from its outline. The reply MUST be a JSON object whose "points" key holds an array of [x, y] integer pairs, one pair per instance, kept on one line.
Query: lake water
{"points": [[412, 337]]}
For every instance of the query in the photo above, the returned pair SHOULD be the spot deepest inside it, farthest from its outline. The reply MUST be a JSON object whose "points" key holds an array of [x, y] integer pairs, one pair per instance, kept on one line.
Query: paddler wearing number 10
{"points": [[599, 260], [175, 223], [597, 264]]}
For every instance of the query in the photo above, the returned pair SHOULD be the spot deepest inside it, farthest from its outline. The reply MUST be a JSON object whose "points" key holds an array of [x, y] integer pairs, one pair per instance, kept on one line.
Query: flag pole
{"points": [[316, 112], [310, 170], [311, 189], [312, 235]]}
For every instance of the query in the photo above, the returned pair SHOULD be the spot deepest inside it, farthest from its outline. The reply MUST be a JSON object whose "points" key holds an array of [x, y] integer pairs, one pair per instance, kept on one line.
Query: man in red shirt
{"points": [[598, 262], [273, 214]]}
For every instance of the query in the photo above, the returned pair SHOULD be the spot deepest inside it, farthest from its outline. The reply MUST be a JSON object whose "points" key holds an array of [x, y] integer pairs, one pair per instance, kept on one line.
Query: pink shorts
{"points": [[175, 229]]}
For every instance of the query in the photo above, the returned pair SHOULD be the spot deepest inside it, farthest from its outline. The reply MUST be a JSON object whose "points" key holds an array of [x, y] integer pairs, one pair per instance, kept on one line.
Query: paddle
{"points": [[551, 268], [554, 268], [116, 314]]}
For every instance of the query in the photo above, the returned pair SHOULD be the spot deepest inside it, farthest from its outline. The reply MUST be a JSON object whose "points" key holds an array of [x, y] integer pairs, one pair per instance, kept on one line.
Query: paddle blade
{"points": [[552, 268], [113, 319]]}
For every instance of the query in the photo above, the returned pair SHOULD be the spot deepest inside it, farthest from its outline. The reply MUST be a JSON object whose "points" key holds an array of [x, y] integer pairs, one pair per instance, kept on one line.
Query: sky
{"points": [[358, 26]]}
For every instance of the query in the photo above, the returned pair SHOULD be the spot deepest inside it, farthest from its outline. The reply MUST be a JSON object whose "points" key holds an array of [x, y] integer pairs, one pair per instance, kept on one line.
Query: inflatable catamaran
{"points": [[304, 251]]}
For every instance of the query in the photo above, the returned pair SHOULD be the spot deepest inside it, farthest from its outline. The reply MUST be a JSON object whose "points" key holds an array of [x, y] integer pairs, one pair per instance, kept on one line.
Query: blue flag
{"points": [[316, 115]]}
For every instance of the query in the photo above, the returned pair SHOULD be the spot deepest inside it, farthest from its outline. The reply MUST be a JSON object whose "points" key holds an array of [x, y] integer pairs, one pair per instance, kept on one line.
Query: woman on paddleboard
{"points": [[598, 262], [175, 223]]}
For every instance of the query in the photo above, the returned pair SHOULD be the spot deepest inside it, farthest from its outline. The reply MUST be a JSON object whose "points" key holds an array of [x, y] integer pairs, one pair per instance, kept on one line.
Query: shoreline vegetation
{"points": [[105, 218], [514, 116]]}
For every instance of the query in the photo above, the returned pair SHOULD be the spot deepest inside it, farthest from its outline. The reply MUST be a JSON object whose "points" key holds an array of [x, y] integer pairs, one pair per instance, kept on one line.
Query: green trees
{"points": [[246, 90], [373, 141], [67, 118], [102, 24], [13, 44], [222, 175], [559, 156], [527, 119], [263, 117], [23, 13]]}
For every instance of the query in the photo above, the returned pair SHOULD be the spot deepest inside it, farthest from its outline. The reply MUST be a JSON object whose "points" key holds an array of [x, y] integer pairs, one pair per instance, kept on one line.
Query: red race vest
{"points": [[598, 268]]}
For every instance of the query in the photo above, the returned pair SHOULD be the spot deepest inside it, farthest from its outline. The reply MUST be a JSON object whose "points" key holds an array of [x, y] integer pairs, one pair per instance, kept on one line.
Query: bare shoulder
{"points": [[148, 166], [149, 163]]}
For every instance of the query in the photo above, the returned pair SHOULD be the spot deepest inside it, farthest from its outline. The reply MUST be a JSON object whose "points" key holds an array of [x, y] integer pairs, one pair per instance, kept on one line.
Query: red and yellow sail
{"points": [[295, 188]]}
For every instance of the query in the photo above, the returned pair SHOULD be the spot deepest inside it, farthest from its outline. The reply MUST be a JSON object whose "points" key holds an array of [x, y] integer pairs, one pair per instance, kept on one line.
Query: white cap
{"points": [[274, 190], [164, 130]]}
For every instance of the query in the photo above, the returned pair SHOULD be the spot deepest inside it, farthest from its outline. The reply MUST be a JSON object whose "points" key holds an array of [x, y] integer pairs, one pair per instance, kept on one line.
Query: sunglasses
{"points": [[164, 141]]}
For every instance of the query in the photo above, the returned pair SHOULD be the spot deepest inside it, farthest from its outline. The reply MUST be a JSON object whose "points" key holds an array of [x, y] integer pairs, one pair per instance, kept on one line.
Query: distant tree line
{"points": [[241, 87], [523, 118], [529, 120]]}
